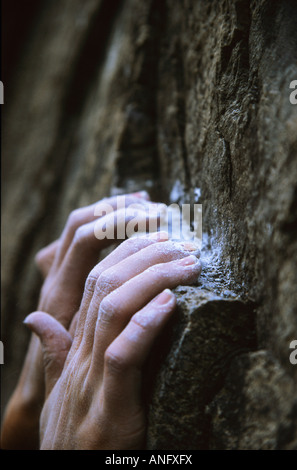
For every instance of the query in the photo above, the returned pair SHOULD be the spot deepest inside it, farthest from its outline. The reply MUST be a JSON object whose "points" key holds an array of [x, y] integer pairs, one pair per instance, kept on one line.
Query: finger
{"points": [[45, 257], [81, 257], [127, 222], [55, 341], [117, 308], [141, 195], [114, 277], [124, 251], [126, 355], [153, 254], [73, 324], [87, 214]]}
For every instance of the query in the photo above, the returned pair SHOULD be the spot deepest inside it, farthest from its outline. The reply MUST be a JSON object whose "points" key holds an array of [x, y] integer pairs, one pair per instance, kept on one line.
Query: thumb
{"points": [[55, 342]]}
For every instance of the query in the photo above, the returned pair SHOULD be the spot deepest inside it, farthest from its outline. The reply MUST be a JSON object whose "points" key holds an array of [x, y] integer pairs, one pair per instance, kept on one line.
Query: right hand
{"points": [[94, 398], [65, 265]]}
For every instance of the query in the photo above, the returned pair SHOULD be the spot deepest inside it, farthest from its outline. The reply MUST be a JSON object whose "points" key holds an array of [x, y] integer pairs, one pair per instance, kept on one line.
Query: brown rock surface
{"points": [[189, 100]]}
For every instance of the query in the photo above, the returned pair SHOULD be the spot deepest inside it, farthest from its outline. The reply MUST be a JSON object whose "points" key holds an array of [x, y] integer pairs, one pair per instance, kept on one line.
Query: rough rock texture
{"points": [[189, 100]]}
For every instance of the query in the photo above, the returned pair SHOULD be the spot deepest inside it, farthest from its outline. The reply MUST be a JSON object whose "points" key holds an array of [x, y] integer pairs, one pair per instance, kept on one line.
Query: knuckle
{"points": [[141, 321], [107, 311], [169, 250], [92, 279], [134, 245], [159, 270], [79, 236], [114, 362], [130, 243], [73, 221], [131, 246], [108, 281]]}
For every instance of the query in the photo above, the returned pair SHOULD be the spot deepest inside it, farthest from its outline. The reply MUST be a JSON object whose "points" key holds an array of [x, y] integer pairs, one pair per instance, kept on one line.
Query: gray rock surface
{"points": [[189, 100]]}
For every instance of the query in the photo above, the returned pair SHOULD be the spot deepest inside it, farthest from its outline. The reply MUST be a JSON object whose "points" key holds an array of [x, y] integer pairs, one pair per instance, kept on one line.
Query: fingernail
{"points": [[142, 195], [165, 297], [159, 236], [188, 246], [188, 260]]}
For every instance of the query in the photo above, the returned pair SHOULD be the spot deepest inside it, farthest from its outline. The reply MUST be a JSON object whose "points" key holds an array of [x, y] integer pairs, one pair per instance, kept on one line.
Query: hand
{"points": [[67, 262], [65, 265], [94, 398]]}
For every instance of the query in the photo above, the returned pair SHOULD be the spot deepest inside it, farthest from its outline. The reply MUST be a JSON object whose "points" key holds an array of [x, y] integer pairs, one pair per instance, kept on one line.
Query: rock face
{"points": [[191, 101]]}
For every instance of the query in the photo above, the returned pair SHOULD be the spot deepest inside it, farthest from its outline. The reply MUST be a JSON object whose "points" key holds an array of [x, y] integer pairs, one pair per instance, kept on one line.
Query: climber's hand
{"points": [[65, 265], [94, 399]]}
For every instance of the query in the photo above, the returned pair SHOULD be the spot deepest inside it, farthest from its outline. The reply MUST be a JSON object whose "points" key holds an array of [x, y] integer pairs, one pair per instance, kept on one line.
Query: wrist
{"points": [[20, 428], [29, 391]]}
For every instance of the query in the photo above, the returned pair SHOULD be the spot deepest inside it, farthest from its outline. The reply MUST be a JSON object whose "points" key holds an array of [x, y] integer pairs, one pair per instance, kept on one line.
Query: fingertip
{"points": [[37, 323], [45, 326], [33, 318], [159, 236], [142, 195], [165, 298]]}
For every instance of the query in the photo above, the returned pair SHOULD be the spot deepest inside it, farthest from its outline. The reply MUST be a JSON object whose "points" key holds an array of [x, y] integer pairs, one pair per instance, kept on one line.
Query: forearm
{"points": [[20, 428]]}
